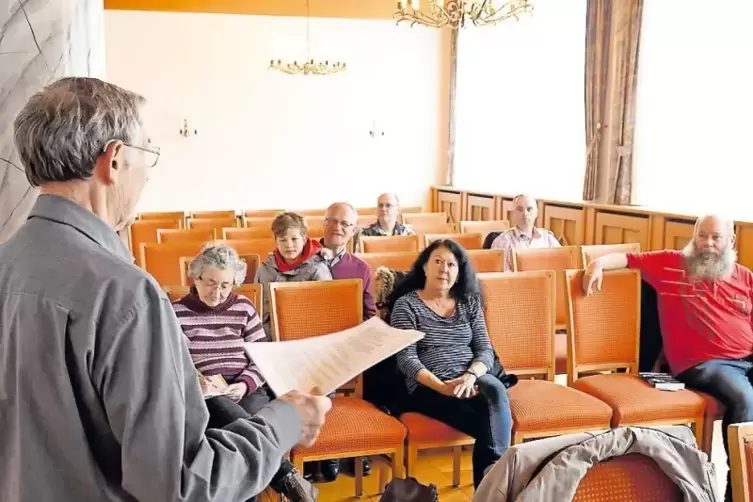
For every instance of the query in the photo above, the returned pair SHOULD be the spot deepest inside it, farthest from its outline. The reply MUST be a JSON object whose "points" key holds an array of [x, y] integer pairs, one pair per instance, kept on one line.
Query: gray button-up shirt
{"points": [[99, 399]]}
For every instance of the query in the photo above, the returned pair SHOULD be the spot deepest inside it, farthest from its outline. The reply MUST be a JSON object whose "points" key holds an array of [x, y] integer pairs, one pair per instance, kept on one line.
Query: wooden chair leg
{"points": [[708, 435], [297, 462], [456, 450], [398, 462], [412, 461], [383, 477], [698, 430], [358, 462]]}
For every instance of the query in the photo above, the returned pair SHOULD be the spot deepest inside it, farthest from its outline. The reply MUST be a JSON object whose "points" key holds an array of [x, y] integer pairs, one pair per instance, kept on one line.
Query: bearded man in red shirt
{"points": [[704, 300]]}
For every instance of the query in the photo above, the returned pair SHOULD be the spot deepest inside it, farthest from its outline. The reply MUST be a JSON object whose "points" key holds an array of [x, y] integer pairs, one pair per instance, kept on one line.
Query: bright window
{"points": [[519, 104], [694, 115]]}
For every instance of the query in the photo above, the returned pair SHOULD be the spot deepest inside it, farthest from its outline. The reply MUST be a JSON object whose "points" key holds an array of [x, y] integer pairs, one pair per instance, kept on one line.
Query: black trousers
{"points": [[224, 411], [486, 418]]}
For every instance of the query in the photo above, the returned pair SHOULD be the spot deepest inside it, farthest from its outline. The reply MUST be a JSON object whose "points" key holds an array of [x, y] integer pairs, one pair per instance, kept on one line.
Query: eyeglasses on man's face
{"points": [[151, 153], [345, 225]]}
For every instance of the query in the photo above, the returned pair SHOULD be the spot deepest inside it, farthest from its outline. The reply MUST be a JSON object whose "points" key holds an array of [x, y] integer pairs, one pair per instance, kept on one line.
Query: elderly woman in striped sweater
{"points": [[217, 322], [451, 373]]}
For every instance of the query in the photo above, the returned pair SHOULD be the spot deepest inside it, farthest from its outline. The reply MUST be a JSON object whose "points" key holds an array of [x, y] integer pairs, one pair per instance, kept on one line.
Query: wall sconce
{"points": [[185, 131]]}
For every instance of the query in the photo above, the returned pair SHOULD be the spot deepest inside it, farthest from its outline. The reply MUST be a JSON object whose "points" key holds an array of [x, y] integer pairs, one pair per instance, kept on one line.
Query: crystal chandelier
{"points": [[310, 66], [456, 13]]}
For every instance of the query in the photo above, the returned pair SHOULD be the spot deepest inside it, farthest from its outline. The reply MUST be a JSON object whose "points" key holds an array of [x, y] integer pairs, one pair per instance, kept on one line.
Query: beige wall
{"points": [[266, 139]]}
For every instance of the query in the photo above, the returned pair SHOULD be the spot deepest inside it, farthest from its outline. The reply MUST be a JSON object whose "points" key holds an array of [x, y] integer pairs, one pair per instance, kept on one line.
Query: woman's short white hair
{"points": [[221, 257]]}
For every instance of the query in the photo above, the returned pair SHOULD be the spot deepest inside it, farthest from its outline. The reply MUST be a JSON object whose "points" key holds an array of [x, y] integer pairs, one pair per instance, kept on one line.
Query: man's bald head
{"points": [[524, 212], [711, 253]]}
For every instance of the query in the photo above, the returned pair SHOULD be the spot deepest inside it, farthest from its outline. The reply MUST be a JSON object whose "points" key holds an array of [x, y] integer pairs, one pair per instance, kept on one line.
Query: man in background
{"points": [[524, 234], [99, 396], [705, 304], [388, 212]]}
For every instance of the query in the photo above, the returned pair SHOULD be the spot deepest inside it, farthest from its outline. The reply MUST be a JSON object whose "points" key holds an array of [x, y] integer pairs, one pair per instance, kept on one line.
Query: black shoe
{"points": [[349, 466], [329, 469]]}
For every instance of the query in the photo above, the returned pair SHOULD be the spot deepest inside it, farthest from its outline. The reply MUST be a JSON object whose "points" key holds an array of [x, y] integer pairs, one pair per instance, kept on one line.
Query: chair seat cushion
{"points": [[426, 430], [355, 425], [539, 405], [633, 401]]}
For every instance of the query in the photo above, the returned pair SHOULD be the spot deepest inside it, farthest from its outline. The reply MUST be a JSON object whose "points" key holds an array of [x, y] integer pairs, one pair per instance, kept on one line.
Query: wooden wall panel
{"points": [[359, 9], [677, 234], [480, 208], [451, 203], [567, 223], [745, 244], [614, 228]]}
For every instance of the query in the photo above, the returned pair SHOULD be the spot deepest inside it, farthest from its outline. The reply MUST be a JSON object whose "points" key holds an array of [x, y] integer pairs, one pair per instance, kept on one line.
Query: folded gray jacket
{"points": [[557, 465]]}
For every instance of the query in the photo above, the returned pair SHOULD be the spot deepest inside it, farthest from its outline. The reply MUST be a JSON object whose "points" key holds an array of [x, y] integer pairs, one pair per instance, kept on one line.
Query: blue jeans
{"points": [[486, 418]]}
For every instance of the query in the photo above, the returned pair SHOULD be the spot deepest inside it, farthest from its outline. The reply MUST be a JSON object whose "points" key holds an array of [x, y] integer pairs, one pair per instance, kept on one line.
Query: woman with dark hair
{"points": [[447, 372]]}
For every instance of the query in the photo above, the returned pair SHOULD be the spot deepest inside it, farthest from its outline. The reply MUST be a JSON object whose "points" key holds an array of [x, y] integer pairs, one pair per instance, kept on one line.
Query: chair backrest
{"points": [[557, 259], [741, 461], [244, 234], [603, 328], [262, 213], [590, 253], [306, 309], [211, 223], [627, 478], [310, 212], [401, 260], [520, 311], [252, 265], [251, 291], [164, 215], [487, 260], [184, 235], [418, 218], [212, 215], [467, 240], [390, 244], [484, 227], [145, 232], [259, 222], [163, 260], [364, 220]]}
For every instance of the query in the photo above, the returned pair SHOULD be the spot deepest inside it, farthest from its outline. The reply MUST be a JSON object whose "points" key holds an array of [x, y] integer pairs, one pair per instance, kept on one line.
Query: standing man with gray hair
{"points": [[99, 397]]}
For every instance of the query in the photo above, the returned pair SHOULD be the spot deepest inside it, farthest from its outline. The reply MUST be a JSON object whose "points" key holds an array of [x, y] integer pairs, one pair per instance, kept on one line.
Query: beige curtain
{"points": [[612, 47]]}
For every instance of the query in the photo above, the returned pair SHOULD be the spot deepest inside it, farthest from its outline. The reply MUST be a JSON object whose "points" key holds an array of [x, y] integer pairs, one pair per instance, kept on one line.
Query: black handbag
{"points": [[409, 490]]}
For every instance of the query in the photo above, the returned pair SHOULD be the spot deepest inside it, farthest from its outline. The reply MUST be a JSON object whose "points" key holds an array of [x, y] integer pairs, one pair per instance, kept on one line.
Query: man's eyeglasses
{"points": [[152, 153], [344, 224]]}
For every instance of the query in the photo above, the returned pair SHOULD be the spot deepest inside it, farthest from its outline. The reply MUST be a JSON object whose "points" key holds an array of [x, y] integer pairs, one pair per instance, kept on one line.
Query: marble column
{"points": [[40, 41]]}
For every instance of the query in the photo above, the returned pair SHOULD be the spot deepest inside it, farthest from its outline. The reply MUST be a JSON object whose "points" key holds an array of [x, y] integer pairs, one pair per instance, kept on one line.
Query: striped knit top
{"points": [[450, 345], [216, 336]]}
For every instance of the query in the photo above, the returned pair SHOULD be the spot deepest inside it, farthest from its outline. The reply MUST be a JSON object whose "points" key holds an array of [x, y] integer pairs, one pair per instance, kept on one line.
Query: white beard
{"points": [[709, 266]]}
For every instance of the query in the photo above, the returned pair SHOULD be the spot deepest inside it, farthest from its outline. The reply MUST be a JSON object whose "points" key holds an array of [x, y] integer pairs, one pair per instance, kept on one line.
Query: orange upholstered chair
{"points": [[557, 259], [251, 291], [401, 260], [259, 222], [390, 244], [145, 232], [590, 253], [487, 260], [244, 234], [467, 240], [627, 478], [741, 461], [211, 223], [165, 215], [484, 227], [252, 265], [163, 260], [520, 311], [262, 213], [603, 335], [184, 235], [419, 219], [354, 427], [211, 215], [311, 213]]}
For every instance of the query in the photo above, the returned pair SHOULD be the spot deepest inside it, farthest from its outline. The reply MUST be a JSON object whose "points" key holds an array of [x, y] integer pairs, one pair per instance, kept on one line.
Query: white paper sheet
{"points": [[329, 361]]}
